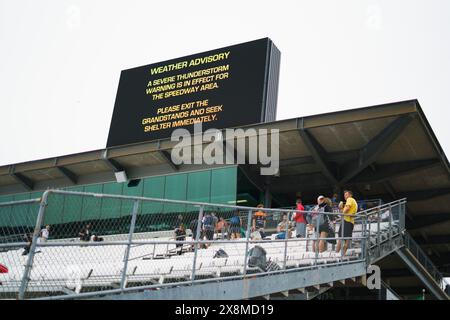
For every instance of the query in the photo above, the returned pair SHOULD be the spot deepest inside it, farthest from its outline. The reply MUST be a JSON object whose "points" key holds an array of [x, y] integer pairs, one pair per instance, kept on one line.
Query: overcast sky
{"points": [[60, 61]]}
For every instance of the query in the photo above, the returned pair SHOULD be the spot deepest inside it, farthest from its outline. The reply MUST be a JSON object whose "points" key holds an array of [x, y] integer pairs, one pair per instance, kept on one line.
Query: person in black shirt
{"points": [[86, 233], [180, 235], [325, 226], [29, 239]]}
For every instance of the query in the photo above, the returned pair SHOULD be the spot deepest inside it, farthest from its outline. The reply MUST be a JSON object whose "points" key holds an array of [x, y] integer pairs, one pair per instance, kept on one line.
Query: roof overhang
{"points": [[387, 151]]}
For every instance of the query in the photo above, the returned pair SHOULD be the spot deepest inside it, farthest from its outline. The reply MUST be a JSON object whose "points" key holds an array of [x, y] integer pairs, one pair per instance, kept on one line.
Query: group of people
{"points": [[85, 235], [320, 221]]}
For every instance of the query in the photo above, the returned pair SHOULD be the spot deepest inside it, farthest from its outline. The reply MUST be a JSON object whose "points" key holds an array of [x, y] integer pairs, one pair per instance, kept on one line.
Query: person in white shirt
{"points": [[45, 232]]}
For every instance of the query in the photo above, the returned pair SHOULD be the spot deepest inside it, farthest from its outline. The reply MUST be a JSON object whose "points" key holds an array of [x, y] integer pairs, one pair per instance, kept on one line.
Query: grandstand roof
{"points": [[386, 151]]}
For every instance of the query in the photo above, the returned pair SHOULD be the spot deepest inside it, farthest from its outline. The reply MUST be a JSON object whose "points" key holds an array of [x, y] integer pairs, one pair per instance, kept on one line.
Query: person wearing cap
{"points": [[325, 227], [315, 220], [259, 220], [349, 209]]}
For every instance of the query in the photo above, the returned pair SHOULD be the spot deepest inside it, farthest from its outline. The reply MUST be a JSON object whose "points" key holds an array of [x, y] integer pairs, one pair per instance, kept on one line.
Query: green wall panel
{"points": [[127, 206], [175, 189], [71, 206], [5, 212], [111, 208], [198, 188], [223, 185], [92, 206], [153, 188], [215, 186], [22, 215]]}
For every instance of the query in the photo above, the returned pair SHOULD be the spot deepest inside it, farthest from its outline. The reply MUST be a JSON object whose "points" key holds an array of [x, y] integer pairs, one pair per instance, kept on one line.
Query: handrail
{"points": [[428, 265], [17, 202], [196, 203]]}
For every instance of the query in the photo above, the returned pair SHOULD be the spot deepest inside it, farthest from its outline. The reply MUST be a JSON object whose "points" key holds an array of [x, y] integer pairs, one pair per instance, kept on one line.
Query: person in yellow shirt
{"points": [[350, 209]]}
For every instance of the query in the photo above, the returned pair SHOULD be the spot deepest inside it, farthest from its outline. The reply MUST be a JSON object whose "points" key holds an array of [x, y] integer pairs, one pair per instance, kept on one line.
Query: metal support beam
{"points": [[370, 152], [166, 155], [296, 161], [249, 287], [113, 164], [420, 195], [428, 220], [319, 154], [26, 182], [393, 170], [267, 194], [433, 240], [69, 175], [340, 156]]}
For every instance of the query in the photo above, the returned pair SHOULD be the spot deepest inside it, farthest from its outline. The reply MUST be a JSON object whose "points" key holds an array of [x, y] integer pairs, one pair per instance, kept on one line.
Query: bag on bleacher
{"points": [[257, 258], [220, 254], [272, 266]]}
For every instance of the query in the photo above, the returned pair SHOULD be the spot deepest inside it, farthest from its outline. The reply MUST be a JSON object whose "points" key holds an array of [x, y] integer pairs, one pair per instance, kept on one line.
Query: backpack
{"points": [[220, 254], [257, 258], [272, 266], [235, 221]]}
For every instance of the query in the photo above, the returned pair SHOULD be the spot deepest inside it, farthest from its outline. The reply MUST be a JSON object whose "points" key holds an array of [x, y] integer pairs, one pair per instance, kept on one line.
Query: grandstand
{"points": [[385, 152]]}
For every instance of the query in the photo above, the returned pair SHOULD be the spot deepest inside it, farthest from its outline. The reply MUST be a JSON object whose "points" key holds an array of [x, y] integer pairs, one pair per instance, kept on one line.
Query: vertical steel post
{"points": [[342, 236], [390, 222], [378, 233], [364, 254], [196, 241], [316, 249], [402, 213], [130, 239], [369, 243], [37, 229], [247, 236], [286, 234]]}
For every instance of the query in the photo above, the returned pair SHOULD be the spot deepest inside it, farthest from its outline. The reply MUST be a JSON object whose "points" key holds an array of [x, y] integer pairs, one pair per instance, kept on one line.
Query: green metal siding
{"points": [[5, 212], [175, 189], [71, 206], [20, 214], [153, 188], [214, 186], [224, 185], [127, 206], [92, 206]]}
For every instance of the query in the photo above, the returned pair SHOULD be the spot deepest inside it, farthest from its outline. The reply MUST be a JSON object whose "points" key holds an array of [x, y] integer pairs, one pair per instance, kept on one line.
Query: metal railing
{"points": [[80, 260], [424, 260]]}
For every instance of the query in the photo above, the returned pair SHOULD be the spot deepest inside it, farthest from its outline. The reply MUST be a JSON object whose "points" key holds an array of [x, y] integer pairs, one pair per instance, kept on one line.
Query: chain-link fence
{"points": [[86, 244], [17, 224]]}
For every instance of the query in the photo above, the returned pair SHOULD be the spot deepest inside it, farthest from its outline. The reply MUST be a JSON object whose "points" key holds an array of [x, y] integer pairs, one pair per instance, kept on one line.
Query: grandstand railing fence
{"points": [[129, 243]]}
